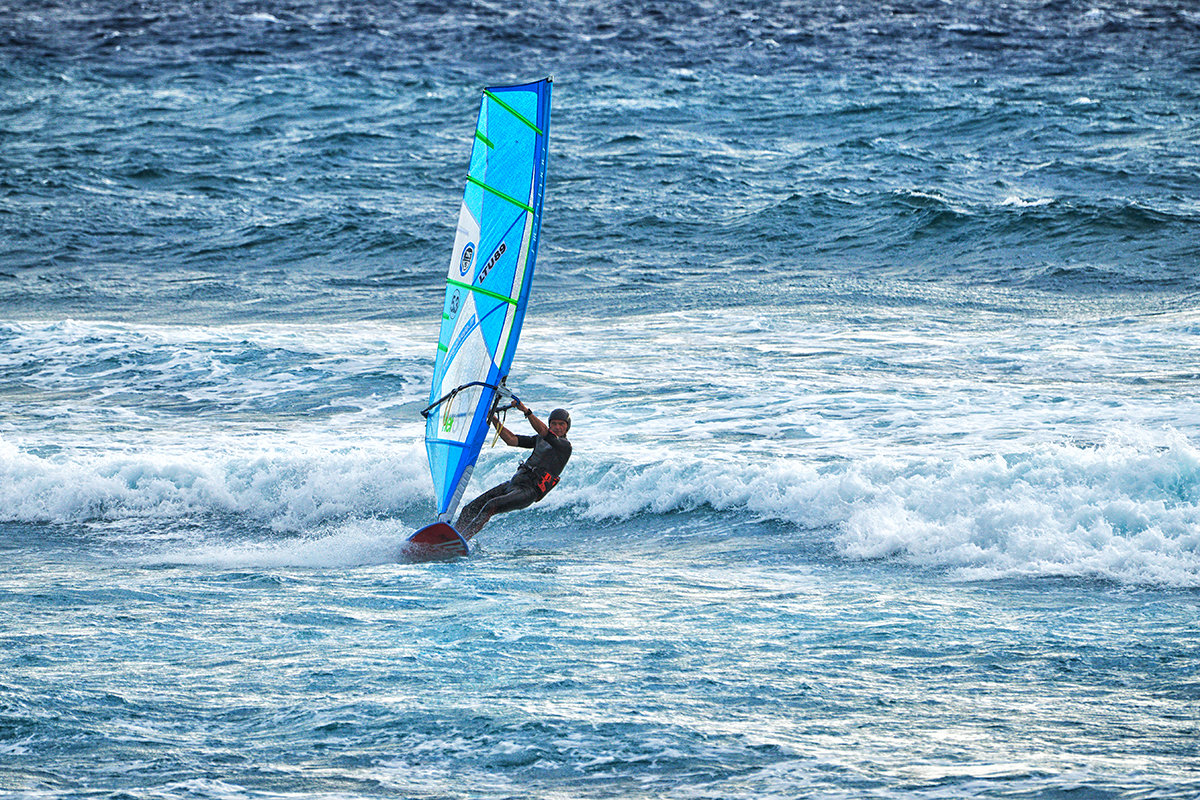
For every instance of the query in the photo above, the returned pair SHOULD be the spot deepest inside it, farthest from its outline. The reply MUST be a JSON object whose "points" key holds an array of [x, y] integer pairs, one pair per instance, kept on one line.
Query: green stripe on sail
{"points": [[481, 290], [499, 194], [479, 135], [513, 111]]}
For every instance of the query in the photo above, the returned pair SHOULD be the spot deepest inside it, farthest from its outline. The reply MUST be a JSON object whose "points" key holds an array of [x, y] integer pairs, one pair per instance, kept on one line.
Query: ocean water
{"points": [[879, 327]]}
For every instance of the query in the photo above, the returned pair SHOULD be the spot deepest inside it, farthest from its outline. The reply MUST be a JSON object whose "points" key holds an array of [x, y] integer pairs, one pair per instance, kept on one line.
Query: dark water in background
{"points": [[211, 155], [877, 321]]}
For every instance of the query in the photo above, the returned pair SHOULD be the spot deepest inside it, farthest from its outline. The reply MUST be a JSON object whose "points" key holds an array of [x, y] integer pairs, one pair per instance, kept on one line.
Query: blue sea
{"points": [[879, 323]]}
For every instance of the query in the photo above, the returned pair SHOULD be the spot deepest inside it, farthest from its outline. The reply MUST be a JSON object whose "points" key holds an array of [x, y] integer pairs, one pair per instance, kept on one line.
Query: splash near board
{"points": [[487, 284]]}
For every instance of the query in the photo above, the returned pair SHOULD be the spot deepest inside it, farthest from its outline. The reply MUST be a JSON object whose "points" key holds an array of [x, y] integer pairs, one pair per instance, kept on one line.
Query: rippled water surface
{"points": [[878, 327]]}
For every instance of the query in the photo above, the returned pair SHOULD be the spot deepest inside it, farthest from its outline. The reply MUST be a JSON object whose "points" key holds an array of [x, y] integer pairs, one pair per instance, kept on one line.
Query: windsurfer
{"points": [[536, 475]]}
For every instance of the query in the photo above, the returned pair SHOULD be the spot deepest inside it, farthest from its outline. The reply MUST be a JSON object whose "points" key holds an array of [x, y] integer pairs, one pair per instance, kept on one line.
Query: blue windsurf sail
{"points": [[487, 284]]}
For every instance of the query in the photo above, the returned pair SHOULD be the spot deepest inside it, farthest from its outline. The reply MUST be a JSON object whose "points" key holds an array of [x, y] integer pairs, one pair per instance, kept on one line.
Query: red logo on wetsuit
{"points": [[546, 482]]}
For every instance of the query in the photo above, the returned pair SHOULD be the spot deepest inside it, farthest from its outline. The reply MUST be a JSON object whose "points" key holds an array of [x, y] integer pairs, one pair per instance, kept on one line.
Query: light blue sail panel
{"points": [[487, 284]]}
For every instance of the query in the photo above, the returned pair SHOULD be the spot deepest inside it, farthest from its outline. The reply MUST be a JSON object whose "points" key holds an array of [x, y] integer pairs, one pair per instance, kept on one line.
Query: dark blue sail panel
{"points": [[487, 283]]}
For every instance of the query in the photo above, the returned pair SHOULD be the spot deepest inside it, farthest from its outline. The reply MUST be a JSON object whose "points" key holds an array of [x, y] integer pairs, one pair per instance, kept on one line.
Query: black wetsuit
{"points": [[536, 476]]}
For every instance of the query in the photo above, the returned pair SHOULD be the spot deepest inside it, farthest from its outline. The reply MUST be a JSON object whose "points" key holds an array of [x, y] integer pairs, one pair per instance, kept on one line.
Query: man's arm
{"points": [[508, 436], [535, 423]]}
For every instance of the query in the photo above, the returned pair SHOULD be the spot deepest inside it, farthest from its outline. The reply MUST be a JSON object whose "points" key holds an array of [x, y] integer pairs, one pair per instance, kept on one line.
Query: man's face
{"points": [[558, 427]]}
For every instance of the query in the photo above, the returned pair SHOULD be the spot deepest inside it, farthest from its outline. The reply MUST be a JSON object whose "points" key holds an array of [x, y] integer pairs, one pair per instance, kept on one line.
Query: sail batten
{"points": [[498, 193], [483, 291], [488, 280], [513, 111]]}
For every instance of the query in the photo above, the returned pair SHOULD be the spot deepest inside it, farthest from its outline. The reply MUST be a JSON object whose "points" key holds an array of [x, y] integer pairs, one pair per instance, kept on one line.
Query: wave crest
{"points": [[1122, 511]]}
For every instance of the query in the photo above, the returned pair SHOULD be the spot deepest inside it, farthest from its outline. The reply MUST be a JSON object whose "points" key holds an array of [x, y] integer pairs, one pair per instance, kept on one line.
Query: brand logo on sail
{"points": [[468, 258], [491, 262]]}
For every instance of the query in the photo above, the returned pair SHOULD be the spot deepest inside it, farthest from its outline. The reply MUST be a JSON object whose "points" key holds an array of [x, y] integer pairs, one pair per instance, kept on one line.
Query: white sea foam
{"points": [[1026, 202], [989, 449], [288, 489], [355, 543], [1123, 511]]}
